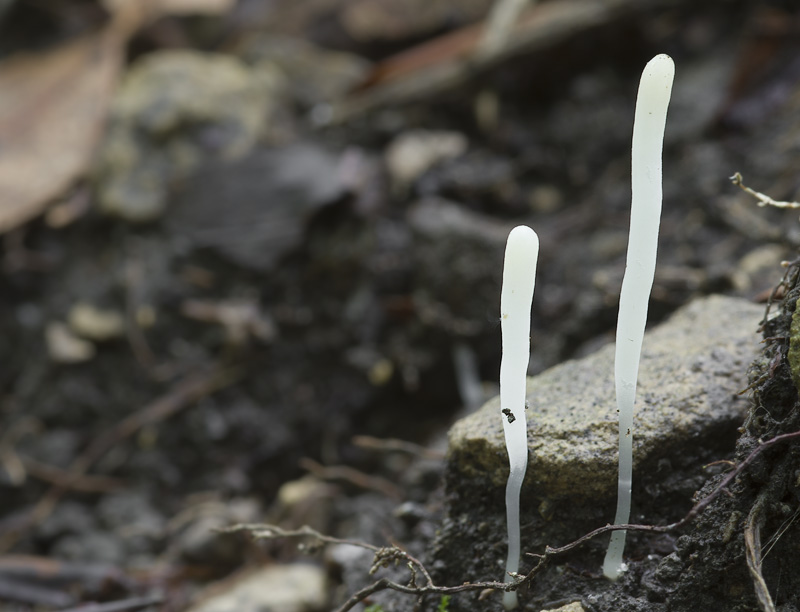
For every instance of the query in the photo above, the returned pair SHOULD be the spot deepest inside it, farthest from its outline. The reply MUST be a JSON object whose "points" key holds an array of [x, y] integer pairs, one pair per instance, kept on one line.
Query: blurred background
{"points": [[251, 251]]}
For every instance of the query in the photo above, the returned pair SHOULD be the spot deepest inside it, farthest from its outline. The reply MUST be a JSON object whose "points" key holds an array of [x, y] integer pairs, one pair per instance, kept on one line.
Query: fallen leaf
{"points": [[52, 108], [141, 11], [195, 7]]}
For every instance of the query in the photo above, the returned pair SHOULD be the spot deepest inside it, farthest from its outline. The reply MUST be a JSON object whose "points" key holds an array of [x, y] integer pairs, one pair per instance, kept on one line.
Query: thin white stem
{"points": [[519, 275], [652, 101]]}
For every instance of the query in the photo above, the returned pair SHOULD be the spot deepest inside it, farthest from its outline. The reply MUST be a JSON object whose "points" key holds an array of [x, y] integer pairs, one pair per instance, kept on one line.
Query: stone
{"points": [[414, 152], [201, 540], [575, 606], [299, 587], [95, 324], [63, 346], [175, 110], [692, 369]]}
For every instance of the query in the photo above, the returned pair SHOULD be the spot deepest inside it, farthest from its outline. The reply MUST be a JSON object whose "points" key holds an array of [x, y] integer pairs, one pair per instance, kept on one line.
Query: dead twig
{"points": [[392, 444], [453, 59], [763, 199], [241, 318], [273, 532], [353, 476], [722, 487], [134, 281], [43, 581], [21, 592], [382, 554], [86, 483], [121, 605], [182, 395], [9, 458], [752, 546]]}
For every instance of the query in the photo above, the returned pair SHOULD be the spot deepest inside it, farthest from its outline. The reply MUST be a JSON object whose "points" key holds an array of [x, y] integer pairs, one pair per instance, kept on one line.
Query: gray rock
{"points": [[414, 152], [202, 542], [693, 367], [175, 110]]}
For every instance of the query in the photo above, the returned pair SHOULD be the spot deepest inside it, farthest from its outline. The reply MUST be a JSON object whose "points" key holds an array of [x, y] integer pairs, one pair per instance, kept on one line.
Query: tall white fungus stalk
{"points": [[516, 296], [648, 139]]}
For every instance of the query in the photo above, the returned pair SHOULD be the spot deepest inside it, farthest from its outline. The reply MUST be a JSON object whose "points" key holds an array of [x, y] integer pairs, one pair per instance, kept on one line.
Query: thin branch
{"points": [[183, 394], [448, 61], [392, 444], [701, 505], [752, 541], [122, 605], [763, 199], [86, 483], [273, 532], [384, 554], [353, 476]]}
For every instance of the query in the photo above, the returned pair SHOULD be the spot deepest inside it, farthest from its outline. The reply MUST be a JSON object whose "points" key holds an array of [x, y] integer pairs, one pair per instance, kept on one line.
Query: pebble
{"points": [[64, 346], [299, 587], [412, 153], [92, 323]]}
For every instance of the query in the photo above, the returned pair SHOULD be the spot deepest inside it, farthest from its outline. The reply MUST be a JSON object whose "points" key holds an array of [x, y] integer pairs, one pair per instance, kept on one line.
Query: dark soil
{"points": [[360, 300]]}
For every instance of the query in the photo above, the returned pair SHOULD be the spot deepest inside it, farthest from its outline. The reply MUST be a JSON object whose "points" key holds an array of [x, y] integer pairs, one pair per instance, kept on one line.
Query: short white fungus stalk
{"points": [[516, 296], [648, 139]]}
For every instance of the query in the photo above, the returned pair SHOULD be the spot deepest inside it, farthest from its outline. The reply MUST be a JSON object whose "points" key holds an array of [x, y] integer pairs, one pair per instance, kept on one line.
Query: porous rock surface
{"points": [[692, 369]]}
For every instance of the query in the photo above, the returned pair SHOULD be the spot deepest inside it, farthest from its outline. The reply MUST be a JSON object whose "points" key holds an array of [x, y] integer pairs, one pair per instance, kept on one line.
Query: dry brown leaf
{"points": [[152, 9], [53, 106], [195, 7], [52, 109]]}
